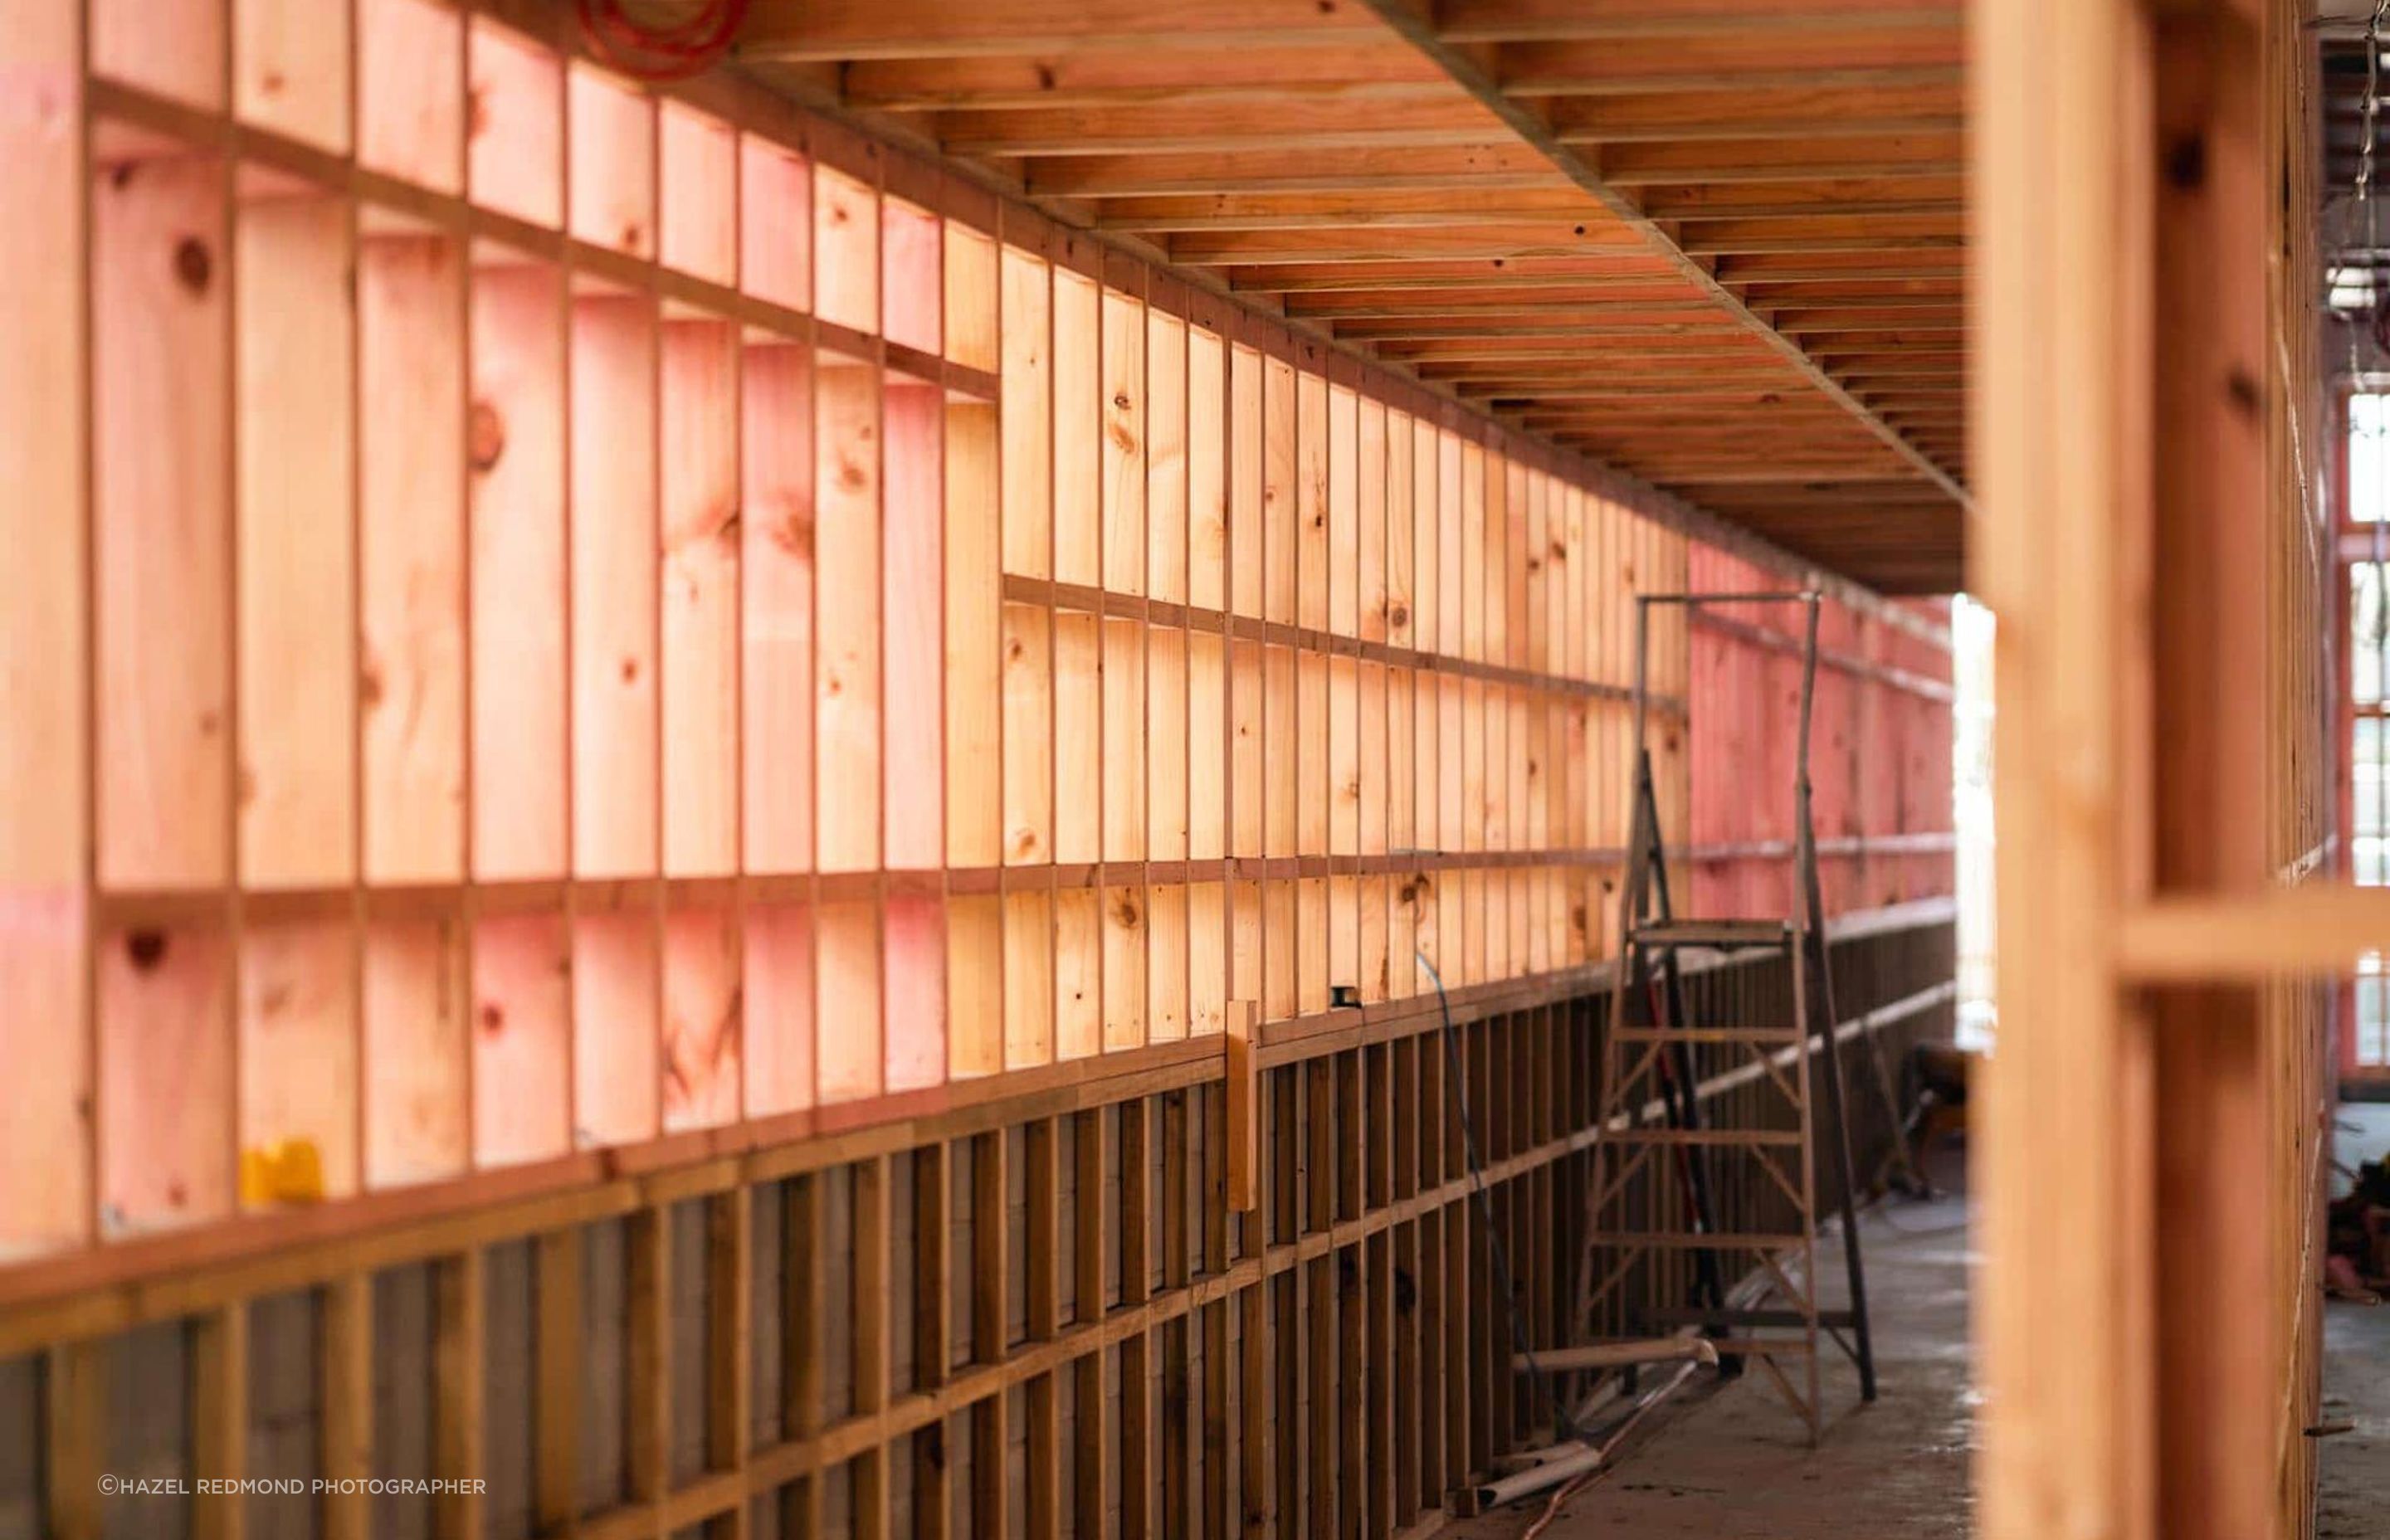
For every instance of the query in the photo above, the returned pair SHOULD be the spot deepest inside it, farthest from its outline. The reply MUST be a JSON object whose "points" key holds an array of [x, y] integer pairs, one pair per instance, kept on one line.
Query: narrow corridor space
{"points": [[1732, 1463]]}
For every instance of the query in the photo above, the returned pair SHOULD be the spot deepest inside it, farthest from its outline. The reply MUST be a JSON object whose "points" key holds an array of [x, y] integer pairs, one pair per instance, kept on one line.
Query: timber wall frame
{"points": [[624, 440], [830, 1337], [2152, 536], [526, 674]]}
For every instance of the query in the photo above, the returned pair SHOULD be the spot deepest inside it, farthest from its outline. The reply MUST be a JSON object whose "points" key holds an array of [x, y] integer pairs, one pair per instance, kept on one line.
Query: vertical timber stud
{"points": [[348, 1392], [1242, 1186], [75, 1439], [1177, 1491], [2125, 198], [1091, 1497], [1041, 1239], [872, 1357], [459, 1298], [933, 1322], [1137, 1216], [220, 1417], [801, 1302], [2061, 1342], [729, 1334], [1219, 1521], [991, 1326], [648, 1326], [2219, 1374], [558, 1346]]}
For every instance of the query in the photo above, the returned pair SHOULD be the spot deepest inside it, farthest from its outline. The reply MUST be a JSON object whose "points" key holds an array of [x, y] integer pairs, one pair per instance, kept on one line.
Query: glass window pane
{"points": [[2365, 632], [2369, 795], [2369, 458]]}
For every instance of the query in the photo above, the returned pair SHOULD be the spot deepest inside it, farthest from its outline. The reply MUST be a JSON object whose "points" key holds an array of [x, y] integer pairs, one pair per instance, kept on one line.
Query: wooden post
{"points": [[2222, 1328], [2134, 1326]]}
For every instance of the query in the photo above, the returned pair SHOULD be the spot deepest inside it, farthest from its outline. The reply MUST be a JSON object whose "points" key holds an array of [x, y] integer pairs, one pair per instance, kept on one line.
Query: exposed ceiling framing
{"points": [[1719, 244]]}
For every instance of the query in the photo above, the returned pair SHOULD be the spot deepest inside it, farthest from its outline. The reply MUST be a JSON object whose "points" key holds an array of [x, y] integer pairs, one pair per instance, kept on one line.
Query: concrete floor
{"points": [[1735, 1464], [1729, 1462], [2353, 1469]]}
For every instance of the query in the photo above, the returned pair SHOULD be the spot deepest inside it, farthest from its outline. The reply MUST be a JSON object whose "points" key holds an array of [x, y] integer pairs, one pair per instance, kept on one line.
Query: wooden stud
{"points": [[872, 1348], [347, 1376], [991, 1329], [559, 1349], [74, 1441], [459, 1306], [220, 1416], [932, 1323], [648, 1354]]}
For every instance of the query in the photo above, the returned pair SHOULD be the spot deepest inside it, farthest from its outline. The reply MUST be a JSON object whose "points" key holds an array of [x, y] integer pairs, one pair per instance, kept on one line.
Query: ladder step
{"points": [[1693, 1315], [1763, 1347], [1780, 1036], [1735, 1137], [1694, 1240], [1715, 932], [1616, 1354], [1657, 1350]]}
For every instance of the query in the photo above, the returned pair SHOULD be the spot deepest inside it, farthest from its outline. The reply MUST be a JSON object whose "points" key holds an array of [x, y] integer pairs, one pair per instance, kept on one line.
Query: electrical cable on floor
{"points": [[1535, 1371], [1561, 1494], [1602, 1465]]}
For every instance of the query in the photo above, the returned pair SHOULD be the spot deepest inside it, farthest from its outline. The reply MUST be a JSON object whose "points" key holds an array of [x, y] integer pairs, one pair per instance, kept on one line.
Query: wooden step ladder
{"points": [[1649, 1110]]}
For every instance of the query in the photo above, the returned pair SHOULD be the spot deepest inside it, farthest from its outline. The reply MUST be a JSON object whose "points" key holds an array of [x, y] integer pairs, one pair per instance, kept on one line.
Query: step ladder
{"points": [[1650, 1110]]}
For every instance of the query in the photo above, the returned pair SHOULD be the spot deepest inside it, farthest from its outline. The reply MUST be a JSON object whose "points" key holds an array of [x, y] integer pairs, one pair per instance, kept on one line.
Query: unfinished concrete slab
{"points": [[1733, 1463], [2353, 1469]]}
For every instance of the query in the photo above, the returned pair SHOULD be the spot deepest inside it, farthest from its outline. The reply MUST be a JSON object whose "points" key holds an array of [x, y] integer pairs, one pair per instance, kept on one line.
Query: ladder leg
{"points": [[1862, 1337], [1813, 951], [1685, 1107]]}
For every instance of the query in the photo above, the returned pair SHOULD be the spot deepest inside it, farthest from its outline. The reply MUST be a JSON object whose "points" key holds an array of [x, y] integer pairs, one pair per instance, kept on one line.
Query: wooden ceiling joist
{"points": [[1720, 244], [1158, 128], [1359, 71], [1464, 67], [1522, 277], [1803, 159], [1756, 112], [1483, 168], [804, 30], [1597, 240], [1365, 210], [1610, 21]]}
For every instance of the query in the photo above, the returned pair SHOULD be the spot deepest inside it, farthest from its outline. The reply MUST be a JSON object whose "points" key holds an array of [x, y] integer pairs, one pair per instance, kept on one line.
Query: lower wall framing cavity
{"points": [[1032, 1317]]}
